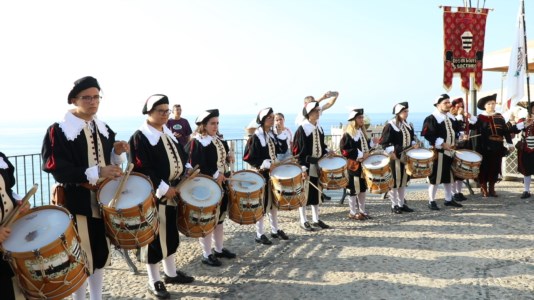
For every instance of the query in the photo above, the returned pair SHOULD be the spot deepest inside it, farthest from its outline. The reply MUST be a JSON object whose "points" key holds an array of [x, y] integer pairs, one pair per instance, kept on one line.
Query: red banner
{"points": [[464, 45]]}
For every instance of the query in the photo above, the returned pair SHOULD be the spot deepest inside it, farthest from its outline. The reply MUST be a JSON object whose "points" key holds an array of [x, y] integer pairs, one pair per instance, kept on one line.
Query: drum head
{"points": [[468, 155], [332, 163], [255, 183], [286, 171], [420, 153], [375, 161], [201, 192], [136, 190], [37, 229]]}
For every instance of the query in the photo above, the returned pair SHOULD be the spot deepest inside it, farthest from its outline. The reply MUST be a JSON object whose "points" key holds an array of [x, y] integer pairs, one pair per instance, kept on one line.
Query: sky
{"points": [[235, 55]]}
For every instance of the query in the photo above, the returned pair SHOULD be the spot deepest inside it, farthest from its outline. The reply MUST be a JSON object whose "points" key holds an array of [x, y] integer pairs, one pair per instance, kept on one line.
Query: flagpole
{"points": [[526, 51]]}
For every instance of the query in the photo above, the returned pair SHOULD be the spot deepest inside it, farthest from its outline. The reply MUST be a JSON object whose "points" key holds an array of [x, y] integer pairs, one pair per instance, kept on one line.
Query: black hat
{"points": [[441, 98], [399, 107], [354, 113], [154, 101], [309, 107], [481, 103], [82, 84], [206, 115], [263, 114]]}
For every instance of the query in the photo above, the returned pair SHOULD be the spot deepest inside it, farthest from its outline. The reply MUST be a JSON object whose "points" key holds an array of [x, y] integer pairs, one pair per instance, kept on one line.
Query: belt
{"points": [[89, 186], [495, 138]]}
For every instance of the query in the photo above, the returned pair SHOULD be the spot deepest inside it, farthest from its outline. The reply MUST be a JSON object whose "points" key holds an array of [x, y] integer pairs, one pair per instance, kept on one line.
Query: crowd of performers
{"points": [[81, 151]]}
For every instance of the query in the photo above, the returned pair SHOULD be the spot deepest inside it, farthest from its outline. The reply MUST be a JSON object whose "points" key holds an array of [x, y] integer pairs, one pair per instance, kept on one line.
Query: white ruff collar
{"points": [[440, 117], [153, 135], [260, 134], [72, 126], [394, 125], [205, 140], [309, 127], [3, 164]]}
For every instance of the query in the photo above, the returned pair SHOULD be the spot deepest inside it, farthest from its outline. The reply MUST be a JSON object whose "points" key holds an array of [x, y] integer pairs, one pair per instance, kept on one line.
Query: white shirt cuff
{"points": [[118, 159], [16, 196], [413, 143], [303, 168], [216, 174], [472, 120], [390, 149], [188, 166], [92, 174], [371, 144], [439, 142], [360, 154], [520, 126], [162, 189]]}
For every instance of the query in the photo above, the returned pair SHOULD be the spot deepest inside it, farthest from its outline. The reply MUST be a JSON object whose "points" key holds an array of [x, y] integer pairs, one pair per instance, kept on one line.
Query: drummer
{"points": [[80, 151], [397, 137], [457, 110], [440, 130], [212, 155], [10, 289], [309, 145], [260, 152], [356, 146], [525, 149], [156, 152]]}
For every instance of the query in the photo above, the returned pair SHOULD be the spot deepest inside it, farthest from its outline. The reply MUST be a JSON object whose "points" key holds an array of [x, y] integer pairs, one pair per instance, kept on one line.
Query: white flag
{"points": [[517, 67]]}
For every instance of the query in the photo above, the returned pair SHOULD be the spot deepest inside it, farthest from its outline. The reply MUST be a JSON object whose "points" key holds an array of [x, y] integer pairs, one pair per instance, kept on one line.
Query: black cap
{"points": [[399, 107], [481, 103], [309, 107], [354, 113], [82, 84], [441, 98], [260, 119], [206, 115], [154, 101]]}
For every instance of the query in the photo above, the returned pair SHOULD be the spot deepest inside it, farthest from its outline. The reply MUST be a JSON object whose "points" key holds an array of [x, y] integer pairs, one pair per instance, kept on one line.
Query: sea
{"points": [[26, 137]]}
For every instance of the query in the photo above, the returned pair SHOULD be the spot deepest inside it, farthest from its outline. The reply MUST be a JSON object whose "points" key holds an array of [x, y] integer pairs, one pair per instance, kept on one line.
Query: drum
{"points": [[466, 164], [246, 197], [333, 172], [287, 185], [45, 253], [419, 162], [133, 222], [198, 206], [377, 173]]}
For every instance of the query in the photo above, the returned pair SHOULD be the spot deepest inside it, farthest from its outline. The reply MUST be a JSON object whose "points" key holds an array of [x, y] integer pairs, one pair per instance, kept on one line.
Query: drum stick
{"points": [[15, 213], [194, 173], [241, 180], [119, 190], [474, 136], [315, 187]]}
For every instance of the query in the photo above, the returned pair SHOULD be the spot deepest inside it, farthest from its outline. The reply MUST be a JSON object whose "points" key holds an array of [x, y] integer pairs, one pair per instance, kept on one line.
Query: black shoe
{"points": [[224, 253], [306, 226], [456, 197], [405, 208], [159, 290], [280, 234], [325, 197], [211, 261], [263, 240], [180, 277], [452, 203], [433, 205], [525, 195], [461, 197], [396, 210], [320, 224]]}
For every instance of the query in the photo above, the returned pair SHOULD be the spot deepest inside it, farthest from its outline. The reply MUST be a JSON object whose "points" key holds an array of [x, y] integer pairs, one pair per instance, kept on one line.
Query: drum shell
{"points": [[419, 167], [334, 179], [379, 180], [466, 169], [192, 227], [296, 187], [238, 212], [144, 213], [53, 288]]}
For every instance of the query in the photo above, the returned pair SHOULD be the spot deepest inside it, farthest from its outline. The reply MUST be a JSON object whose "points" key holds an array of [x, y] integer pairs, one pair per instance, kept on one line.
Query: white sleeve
{"points": [[520, 126], [92, 174], [439, 142], [472, 120], [360, 154], [216, 174], [162, 189], [118, 159], [389, 149]]}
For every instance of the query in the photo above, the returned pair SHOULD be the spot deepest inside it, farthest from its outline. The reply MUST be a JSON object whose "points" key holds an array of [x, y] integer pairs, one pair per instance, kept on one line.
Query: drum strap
{"points": [[316, 152], [221, 155], [450, 139], [175, 163], [6, 204]]}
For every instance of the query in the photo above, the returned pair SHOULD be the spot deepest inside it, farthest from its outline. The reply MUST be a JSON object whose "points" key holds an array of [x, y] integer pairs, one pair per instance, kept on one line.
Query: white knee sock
{"points": [[273, 217], [79, 294], [394, 197], [448, 191], [352, 205], [459, 186], [402, 194], [95, 284], [302, 213], [218, 237], [315, 213], [153, 273], [361, 202], [205, 244], [169, 265], [432, 189], [259, 227], [527, 183]]}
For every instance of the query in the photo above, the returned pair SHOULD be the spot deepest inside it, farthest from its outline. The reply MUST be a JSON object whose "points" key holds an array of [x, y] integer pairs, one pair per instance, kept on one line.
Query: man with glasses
{"points": [[179, 126]]}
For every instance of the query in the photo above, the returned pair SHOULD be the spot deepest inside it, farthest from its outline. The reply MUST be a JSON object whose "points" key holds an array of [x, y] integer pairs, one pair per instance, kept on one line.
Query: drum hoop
{"points": [[231, 188], [376, 154], [344, 166], [285, 164], [100, 188]]}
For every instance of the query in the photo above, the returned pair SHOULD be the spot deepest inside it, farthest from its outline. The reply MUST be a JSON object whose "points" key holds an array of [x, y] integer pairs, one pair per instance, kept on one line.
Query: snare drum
{"points": [[333, 172], [246, 197], [133, 223], [198, 206], [419, 162], [466, 164], [378, 173], [287, 185], [45, 253]]}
